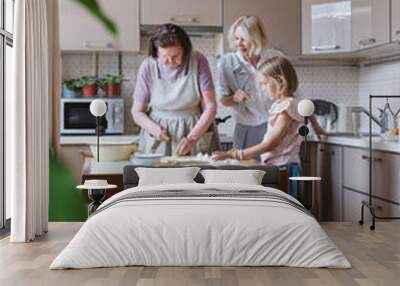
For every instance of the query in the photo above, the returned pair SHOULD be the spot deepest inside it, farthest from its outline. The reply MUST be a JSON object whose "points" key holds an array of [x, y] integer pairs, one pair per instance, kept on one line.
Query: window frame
{"points": [[6, 39]]}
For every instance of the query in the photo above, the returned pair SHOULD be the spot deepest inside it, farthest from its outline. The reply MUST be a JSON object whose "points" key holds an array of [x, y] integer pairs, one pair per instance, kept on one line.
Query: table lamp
{"points": [[306, 109], [98, 108]]}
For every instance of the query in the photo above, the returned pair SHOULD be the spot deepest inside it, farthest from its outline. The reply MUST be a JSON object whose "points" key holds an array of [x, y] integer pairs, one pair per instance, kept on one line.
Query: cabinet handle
{"points": [[183, 19], [97, 45], [375, 159], [326, 48], [397, 32], [332, 153], [321, 150], [367, 42]]}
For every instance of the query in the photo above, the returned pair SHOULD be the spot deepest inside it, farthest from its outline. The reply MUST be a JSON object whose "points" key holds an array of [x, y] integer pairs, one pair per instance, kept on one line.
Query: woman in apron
{"points": [[238, 86], [174, 99]]}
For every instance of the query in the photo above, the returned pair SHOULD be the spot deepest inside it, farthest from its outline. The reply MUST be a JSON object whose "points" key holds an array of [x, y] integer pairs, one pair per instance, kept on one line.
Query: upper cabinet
{"points": [[181, 12], [395, 20], [370, 23], [281, 19], [326, 26], [80, 30]]}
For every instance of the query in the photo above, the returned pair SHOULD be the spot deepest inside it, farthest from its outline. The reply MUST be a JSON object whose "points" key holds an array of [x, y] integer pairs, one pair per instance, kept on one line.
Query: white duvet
{"points": [[200, 231]]}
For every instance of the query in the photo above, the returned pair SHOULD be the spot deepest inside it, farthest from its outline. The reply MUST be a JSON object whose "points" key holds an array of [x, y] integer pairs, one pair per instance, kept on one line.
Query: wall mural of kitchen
{"points": [[339, 86], [204, 135]]}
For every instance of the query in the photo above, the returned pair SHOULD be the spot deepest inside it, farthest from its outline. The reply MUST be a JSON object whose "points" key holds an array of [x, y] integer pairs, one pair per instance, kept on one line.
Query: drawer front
{"points": [[385, 173], [352, 207], [356, 169], [386, 176]]}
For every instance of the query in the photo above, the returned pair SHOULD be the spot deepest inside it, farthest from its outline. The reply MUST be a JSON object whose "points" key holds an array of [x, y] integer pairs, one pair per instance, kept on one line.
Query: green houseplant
{"points": [[111, 84], [65, 204], [95, 9], [71, 88], [88, 85]]}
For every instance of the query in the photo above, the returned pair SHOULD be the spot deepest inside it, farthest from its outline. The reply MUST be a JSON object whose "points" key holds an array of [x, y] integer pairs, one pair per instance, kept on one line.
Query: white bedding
{"points": [[200, 231]]}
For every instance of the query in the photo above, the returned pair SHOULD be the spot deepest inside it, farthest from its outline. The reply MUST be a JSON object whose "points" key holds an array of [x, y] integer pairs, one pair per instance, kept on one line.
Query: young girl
{"points": [[281, 143]]}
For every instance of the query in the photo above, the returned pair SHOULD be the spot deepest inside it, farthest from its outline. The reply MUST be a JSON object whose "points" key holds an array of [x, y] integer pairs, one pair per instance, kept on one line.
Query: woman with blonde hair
{"points": [[238, 86]]}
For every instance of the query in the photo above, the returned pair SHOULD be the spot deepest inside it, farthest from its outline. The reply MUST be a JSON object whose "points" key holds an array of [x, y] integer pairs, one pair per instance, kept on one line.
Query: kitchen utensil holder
{"points": [[369, 204]]}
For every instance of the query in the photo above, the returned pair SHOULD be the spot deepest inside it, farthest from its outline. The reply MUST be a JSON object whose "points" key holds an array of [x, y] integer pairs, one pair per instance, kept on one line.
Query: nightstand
{"points": [[96, 192]]}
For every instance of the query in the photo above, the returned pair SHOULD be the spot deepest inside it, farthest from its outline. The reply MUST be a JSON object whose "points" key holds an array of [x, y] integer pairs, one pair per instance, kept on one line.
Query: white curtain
{"points": [[27, 136]]}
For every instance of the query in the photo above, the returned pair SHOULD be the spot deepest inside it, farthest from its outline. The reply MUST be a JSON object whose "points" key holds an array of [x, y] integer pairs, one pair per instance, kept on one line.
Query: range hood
{"points": [[193, 31]]}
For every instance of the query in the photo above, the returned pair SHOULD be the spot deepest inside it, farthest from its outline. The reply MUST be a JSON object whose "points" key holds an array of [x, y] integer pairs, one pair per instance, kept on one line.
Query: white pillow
{"points": [[165, 176], [248, 177]]}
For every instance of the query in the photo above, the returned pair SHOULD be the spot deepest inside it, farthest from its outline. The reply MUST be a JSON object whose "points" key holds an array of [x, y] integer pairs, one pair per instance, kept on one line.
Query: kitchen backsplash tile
{"points": [[379, 79], [338, 84]]}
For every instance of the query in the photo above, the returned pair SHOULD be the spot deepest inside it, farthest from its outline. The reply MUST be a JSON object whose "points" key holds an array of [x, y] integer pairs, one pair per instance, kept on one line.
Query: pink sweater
{"points": [[288, 150]]}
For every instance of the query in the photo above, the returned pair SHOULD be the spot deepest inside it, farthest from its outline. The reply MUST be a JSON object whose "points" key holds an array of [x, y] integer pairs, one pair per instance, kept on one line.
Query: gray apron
{"points": [[175, 106]]}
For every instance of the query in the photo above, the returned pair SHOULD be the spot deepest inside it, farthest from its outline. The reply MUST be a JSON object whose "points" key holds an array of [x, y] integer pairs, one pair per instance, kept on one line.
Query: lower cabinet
{"points": [[352, 201], [329, 190]]}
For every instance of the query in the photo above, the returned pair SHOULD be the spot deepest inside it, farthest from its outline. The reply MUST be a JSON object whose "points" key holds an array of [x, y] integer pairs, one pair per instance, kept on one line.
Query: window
{"points": [[6, 45]]}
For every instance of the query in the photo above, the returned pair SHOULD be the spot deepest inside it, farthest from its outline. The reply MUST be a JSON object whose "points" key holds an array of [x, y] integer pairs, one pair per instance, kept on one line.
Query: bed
{"points": [[197, 224]]}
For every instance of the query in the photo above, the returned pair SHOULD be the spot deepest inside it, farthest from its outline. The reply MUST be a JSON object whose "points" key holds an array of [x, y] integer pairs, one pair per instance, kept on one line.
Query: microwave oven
{"points": [[75, 116]]}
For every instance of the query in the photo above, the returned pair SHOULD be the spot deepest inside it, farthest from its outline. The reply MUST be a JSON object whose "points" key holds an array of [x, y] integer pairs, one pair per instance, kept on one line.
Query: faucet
{"points": [[382, 122]]}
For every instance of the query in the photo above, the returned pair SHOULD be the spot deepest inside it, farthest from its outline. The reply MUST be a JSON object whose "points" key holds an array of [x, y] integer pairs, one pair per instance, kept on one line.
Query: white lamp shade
{"points": [[98, 107], [306, 107]]}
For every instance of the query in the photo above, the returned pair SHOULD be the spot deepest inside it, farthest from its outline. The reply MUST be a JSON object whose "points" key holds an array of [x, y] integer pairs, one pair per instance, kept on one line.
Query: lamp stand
{"points": [[303, 131], [98, 135]]}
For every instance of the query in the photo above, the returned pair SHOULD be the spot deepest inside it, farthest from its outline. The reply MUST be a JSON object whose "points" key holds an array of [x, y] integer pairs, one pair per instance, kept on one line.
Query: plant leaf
{"points": [[96, 10]]}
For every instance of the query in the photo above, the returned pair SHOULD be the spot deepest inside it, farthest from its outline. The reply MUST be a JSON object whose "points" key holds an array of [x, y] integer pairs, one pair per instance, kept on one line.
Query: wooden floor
{"points": [[375, 257]]}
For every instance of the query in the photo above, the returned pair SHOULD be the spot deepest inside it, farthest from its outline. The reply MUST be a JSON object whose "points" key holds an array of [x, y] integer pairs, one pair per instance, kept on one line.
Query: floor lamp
{"points": [[98, 108]]}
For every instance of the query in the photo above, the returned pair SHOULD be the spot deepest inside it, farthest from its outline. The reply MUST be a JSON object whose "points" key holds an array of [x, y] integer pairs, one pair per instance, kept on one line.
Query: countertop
{"points": [[92, 167], [113, 139], [378, 143], [360, 142], [92, 139]]}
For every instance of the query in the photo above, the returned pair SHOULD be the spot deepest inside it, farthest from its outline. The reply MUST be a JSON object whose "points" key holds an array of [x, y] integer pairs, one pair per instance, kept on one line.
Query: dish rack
{"points": [[369, 204]]}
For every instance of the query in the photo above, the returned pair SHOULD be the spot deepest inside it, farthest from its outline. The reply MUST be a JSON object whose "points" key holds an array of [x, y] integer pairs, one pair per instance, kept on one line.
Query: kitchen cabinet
{"points": [[81, 31], [356, 169], [385, 183], [370, 23], [352, 201], [344, 172], [385, 173], [181, 12], [326, 26], [395, 20], [281, 19], [329, 191], [308, 166]]}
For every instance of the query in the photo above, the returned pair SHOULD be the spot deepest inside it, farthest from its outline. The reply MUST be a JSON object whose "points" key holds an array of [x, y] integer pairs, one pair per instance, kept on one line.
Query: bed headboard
{"points": [[270, 179]]}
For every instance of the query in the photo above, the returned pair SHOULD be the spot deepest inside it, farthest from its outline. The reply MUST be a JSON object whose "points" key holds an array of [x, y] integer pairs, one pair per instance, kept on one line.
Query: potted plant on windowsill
{"points": [[71, 88], [111, 84], [88, 85]]}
